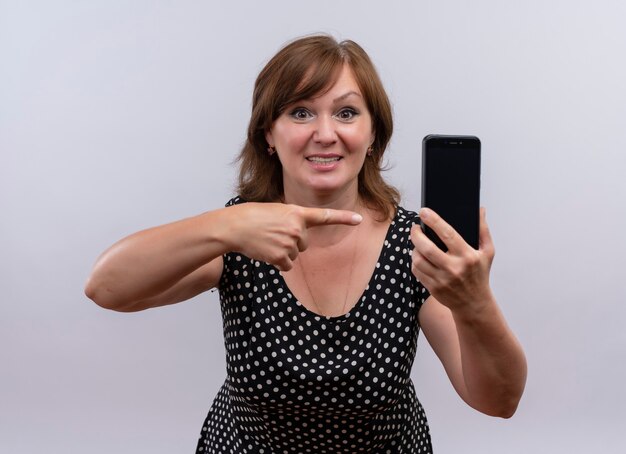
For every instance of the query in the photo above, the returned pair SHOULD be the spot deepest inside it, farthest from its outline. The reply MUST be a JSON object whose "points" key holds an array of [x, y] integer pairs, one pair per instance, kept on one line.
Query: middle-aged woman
{"points": [[324, 279]]}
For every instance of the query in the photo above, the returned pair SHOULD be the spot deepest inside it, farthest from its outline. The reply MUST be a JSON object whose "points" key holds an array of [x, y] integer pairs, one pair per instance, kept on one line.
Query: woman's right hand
{"points": [[174, 262], [276, 233]]}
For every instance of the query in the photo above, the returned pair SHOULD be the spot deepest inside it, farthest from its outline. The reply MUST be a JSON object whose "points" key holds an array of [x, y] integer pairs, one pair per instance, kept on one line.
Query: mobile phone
{"points": [[451, 184]]}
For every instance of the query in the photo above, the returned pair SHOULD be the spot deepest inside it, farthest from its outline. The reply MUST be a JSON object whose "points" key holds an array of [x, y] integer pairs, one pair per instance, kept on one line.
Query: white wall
{"points": [[119, 115]]}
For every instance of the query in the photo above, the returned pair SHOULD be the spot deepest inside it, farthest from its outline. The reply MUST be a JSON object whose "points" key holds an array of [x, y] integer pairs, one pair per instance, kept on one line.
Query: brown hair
{"points": [[304, 68]]}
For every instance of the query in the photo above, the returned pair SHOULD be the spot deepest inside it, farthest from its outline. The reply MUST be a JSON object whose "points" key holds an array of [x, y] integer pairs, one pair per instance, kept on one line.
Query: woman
{"points": [[325, 281]]}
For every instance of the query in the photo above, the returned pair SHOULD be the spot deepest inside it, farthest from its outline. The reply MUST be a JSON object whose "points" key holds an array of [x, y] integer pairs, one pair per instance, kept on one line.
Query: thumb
{"points": [[326, 216], [485, 241]]}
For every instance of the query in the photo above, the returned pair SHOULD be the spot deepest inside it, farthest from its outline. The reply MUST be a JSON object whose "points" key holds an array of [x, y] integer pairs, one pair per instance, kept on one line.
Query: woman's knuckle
{"points": [[286, 266], [447, 232], [295, 231], [277, 256], [429, 250], [472, 260], [456, 273]]}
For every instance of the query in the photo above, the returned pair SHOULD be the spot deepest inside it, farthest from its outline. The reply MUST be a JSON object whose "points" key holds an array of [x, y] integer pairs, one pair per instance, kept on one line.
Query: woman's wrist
{"points": [[219, 229], [476, 311]]}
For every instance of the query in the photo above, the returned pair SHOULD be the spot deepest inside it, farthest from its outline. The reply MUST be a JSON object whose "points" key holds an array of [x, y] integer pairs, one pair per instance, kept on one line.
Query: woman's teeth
{"points": [[320, 160]]}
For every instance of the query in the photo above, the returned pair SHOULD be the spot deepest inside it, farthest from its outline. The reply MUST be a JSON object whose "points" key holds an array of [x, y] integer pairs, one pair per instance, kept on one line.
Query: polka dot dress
{"points": [[298, 382]]}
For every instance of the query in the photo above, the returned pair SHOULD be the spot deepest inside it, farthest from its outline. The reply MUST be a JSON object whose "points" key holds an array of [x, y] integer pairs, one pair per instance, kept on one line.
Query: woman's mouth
{"points": [[323, 160]]}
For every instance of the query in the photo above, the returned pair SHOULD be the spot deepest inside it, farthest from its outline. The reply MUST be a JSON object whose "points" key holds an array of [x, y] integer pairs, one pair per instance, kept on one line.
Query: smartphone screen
{"points": [[451, 184]]}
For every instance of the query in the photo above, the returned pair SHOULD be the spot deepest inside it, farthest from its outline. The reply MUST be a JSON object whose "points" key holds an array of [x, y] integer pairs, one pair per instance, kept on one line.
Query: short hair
{"points": [[303, 69]]}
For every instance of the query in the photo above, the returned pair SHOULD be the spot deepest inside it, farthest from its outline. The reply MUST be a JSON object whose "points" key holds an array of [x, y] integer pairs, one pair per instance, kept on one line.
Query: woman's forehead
{"points": [[341, 78]]}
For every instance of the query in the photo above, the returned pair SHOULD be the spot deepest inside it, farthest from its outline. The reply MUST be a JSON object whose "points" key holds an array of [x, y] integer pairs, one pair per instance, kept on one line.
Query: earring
{"points": [[370, 150], [271, 150]]}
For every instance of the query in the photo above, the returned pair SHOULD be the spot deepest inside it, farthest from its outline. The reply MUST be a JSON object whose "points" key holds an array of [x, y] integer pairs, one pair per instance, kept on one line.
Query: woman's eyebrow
{"points": [[346, 95]]}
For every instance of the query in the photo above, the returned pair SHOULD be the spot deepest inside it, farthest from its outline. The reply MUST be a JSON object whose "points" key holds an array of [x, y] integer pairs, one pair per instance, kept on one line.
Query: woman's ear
{"points": [[269, 138]]}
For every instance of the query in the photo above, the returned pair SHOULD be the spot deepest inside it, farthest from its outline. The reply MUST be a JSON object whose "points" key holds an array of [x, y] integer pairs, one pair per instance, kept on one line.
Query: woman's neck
{"points": [[327, 235], [347, 199]]}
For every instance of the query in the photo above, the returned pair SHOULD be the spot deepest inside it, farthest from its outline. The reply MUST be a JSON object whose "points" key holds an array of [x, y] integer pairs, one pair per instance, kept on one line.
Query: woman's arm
{"points": [[481, 356], [463, 322], [161, 265], [173, 262]]}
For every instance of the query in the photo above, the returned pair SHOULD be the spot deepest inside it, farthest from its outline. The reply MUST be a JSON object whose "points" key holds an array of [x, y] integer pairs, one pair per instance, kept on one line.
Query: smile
{"points": [[320, 160]]}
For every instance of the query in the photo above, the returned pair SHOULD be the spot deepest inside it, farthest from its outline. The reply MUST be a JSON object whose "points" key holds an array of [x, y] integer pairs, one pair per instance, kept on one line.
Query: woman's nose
{"points": [[325, 132]]}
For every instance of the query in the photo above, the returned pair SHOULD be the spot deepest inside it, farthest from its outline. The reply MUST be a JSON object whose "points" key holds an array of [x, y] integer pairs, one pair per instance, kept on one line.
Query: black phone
{"points": [[451, 184]]}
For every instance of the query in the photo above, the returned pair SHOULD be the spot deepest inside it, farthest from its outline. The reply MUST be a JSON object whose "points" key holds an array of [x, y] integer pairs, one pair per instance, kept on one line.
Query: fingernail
{"points": [[357, 218], [423, 213]]}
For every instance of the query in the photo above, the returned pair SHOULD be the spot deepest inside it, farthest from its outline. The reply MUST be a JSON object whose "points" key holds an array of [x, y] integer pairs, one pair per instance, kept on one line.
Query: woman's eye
{"points": [[300, 113], [346, 114]]}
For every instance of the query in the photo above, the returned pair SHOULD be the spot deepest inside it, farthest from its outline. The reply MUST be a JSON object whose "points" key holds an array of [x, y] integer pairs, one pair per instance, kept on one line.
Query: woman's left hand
{"points": [[458, 278], [462, 320]]}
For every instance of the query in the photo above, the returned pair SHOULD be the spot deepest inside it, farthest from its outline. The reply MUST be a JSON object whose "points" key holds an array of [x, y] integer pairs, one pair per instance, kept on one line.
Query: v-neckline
{"points": [[295, 301]]}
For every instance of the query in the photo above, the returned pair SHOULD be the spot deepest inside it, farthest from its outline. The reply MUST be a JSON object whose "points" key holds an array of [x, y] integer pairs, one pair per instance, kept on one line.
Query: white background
{"points": [[120, 115]]}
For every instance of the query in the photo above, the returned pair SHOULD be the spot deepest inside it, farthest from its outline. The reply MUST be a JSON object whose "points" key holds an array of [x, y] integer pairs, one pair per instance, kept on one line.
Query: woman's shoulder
{"points": [[404, 217]]}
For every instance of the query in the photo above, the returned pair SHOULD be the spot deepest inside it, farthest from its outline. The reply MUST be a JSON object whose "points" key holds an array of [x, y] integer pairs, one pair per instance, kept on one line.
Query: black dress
{"points": [[298, 382]]}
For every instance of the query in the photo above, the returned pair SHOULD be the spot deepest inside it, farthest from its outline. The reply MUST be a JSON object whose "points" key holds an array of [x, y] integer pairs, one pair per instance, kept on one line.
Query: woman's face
{"points": [[322, 142]]}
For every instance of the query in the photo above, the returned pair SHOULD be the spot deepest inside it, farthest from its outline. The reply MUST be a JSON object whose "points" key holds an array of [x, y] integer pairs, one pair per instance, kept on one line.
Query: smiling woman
{"points": [[297, 77], [322, 142], [325, 281]]}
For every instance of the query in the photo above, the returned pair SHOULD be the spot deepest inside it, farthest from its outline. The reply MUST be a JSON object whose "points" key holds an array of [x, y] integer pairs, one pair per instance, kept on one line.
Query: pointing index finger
{"points": [[327, 216]]}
